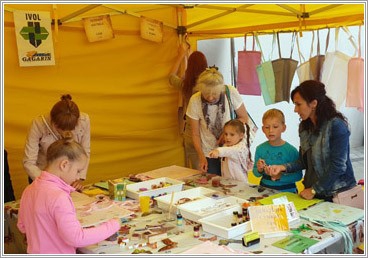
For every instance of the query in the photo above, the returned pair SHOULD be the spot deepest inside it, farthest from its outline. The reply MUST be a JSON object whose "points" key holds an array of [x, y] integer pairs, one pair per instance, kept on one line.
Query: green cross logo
{"points": [[34, 33]]}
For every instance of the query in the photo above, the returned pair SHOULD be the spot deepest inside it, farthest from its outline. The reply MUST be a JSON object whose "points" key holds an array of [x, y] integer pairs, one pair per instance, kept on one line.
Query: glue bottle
{"points": [[179, 220]]}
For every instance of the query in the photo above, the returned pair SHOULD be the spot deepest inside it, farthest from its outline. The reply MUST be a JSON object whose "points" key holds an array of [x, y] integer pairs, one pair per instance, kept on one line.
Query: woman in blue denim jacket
{"points": [[324, 144]]}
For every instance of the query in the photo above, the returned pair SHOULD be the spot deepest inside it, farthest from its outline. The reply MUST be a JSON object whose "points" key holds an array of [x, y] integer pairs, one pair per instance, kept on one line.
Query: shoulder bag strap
{"points": [[231, 108], [49, 128]]}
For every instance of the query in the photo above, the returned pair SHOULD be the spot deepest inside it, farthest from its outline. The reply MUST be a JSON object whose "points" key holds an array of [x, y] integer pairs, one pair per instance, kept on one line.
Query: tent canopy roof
{"points": [[214, 20]]}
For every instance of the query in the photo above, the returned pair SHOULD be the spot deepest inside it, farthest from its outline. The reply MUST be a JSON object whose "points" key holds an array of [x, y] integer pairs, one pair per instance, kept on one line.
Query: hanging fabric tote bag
{"points": [[266, 76], [335, 71], [355, 90], [303, 70], [284, 71], [247, 79], [316, 62]]}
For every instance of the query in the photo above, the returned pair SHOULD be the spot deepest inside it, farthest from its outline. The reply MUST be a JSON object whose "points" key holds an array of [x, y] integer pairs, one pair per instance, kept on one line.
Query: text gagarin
{"points": [[37, 57]]}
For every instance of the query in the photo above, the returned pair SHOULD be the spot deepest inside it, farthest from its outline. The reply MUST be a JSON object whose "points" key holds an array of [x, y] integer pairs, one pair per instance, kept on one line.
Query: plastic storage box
{"points": [[220, 224], [194, 194], [135, 190], [208, 206]]}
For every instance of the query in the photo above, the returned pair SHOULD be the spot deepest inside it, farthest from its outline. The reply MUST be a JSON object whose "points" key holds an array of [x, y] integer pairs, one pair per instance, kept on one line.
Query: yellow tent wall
{"points": [[121, 83]]}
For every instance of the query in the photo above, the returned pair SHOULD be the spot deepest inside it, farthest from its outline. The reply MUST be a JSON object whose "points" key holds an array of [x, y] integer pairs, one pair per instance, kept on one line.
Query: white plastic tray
{"points": [[208, 206], [194, 194], [134, 192], [220, 224]]}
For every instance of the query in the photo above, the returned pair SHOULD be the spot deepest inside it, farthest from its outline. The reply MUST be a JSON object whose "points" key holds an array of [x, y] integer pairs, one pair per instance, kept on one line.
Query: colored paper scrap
{"points": [[295, 243], [298, 201]]}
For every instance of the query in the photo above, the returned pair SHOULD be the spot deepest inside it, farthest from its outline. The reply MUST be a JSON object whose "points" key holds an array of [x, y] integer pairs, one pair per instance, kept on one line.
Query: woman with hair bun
{"points": [[63, 119]]}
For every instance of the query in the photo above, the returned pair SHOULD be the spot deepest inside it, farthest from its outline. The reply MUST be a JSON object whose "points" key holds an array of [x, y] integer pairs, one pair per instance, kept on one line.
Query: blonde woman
{"points": [[208, 111]]}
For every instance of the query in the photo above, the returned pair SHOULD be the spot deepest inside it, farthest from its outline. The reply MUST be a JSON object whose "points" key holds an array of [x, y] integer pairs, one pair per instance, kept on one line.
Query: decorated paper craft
{"points": [[100, 211], [269, 219], [93, 211], [291, 212]]}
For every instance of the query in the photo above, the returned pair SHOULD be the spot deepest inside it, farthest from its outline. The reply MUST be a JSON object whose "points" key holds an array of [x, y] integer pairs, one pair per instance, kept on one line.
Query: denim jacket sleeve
{"points": [[335, 163], [296, 165]]}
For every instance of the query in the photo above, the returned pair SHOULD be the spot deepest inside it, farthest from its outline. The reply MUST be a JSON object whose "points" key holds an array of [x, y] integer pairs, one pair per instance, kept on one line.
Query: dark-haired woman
{"points": [[46, 129], [197, 63], [324, 144]]}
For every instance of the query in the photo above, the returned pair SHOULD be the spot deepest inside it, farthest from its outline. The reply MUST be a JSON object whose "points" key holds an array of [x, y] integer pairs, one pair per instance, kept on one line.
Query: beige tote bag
{"points": [[284, 71]]}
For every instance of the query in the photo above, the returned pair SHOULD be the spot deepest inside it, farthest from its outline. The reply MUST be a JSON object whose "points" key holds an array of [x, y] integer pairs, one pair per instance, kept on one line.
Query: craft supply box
{"points": [[207, 206], [134, 192], [220, 224], [194, 194]]}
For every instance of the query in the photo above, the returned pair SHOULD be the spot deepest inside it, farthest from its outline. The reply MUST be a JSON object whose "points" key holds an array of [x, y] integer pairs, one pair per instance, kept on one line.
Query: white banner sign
{"points": [[34, 38]]}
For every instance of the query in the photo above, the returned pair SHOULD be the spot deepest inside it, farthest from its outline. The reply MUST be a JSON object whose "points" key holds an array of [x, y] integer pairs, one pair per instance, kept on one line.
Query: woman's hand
{"points": [[77, 184], [184, 48], [221, 140], [214, 154], [274, 171], [307, 194], [203, 164]]}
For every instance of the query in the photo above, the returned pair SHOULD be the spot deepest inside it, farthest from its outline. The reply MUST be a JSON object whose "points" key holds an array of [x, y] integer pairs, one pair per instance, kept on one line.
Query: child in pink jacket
{"points": [[47, 215]]}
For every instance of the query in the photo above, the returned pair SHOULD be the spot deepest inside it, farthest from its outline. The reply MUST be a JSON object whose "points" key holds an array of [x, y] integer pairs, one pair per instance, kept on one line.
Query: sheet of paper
{"points": [[295, 243], [298, 201], [268, 219], [332, 212], [174, 172]]}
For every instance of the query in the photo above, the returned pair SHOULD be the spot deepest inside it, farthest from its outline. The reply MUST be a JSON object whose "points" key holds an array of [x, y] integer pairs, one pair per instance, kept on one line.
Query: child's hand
{"points": [[214, 154], [261, 165], [77, 185]]}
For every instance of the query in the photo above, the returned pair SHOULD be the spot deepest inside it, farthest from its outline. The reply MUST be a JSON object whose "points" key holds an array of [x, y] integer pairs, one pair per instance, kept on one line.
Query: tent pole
{"points": [[79, 12], [232, 54], [211, 18], [329, 7]]}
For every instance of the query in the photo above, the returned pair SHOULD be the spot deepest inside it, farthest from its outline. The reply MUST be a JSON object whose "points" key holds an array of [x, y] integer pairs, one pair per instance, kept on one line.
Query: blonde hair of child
{"points": [[65, 147], [274, 113]]}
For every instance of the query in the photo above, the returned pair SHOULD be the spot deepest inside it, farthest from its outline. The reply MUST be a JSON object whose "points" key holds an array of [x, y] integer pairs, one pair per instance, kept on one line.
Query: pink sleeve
{"points": [[71, 230]]}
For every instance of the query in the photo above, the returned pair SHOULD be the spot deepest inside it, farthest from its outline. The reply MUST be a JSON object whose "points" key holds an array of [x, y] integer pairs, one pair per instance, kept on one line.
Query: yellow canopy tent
{"points": [[122, 83]]}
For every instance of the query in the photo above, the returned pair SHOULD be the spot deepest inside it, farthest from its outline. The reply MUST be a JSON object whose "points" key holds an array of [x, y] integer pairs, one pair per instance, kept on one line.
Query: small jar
{"points": [[196, 231], [179, 220], [235, 217], [240, 218]]}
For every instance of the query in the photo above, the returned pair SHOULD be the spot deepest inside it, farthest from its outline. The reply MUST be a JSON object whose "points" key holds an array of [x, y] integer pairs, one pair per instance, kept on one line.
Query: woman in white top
{"points": [[63, 118], [208, 111]]}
